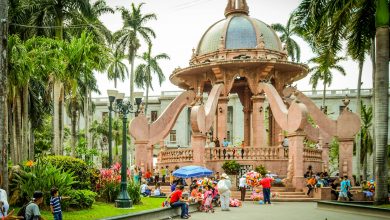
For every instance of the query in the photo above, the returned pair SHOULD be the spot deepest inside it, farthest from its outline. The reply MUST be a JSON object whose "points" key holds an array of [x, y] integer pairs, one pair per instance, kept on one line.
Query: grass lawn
{"points": [[387, 206], [101, 210]]}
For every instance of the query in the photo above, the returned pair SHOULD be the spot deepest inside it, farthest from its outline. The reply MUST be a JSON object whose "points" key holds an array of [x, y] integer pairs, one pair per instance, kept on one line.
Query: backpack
{"points": [[22, 211]]}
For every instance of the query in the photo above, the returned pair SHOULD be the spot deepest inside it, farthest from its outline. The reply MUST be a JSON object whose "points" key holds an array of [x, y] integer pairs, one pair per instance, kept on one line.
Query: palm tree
{"points": [[143, 73], [128, 37], [117, 69], [83, 57], [322, 71], [360, 31], [366, 137], [381, 98], [293, 49]]}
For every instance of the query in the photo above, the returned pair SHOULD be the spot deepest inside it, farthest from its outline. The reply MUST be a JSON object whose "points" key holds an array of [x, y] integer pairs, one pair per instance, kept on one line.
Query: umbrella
{"points": [[192, 171]]}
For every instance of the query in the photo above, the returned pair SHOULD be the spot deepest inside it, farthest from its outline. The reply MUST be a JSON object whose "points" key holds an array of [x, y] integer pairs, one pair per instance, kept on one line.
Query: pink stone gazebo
{"points": [[243, 55]]}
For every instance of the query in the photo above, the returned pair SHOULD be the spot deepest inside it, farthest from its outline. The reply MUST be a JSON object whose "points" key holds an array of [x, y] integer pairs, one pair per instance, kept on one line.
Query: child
{"points": [[55, 204], [208, 199], [145, 191], [157, 191]]}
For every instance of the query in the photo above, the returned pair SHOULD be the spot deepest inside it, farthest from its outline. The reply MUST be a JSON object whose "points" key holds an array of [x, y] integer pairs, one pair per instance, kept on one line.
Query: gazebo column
{"points": [[258, 129], [296, 154], [222, 118], [345, 157], [198, 141], [245, 99], [149, 158]]}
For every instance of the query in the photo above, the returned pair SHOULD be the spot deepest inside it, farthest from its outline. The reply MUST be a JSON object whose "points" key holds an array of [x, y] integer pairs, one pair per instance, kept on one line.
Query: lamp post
{"points": [[111, 97], [124, 108]]}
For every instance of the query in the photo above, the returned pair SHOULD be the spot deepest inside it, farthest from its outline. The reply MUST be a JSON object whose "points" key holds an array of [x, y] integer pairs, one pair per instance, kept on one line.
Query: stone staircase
{"points": [[284, 194]]}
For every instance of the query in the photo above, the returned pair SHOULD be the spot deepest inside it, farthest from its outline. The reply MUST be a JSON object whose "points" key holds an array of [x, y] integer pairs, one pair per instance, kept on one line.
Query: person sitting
{"points": [[32, 209], [366, 190], [157, 191], [333, 187], [145, 191], [4, 206], [176, 200], [311, 182]]}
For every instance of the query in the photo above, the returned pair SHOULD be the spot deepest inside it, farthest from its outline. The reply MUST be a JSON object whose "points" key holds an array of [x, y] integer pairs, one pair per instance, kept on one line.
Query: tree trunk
{"points": [[147, 100], [323, 99], [373, 107], [32, 140], [115, 82], [358, 136], [381, 99], [132, 77], [86, 117], [365, 167], [25, 121], [3, 94], [18, 128], [56, 120], [73, 127]]}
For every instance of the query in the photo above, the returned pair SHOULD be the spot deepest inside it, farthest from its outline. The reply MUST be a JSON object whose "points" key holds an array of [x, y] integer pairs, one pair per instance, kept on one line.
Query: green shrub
{"points": [[40, 176], [231, 167], [79, 199], [83, 174], [110, 191], [261, 169], [134, 190]]}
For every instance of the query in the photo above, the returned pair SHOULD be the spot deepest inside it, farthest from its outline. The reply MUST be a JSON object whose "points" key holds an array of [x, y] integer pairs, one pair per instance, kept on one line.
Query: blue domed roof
{"points": [[240, 32]]}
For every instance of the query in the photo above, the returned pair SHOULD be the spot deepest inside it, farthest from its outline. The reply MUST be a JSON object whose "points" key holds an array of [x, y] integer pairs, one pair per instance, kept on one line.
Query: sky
{"points": [[180, 25]]}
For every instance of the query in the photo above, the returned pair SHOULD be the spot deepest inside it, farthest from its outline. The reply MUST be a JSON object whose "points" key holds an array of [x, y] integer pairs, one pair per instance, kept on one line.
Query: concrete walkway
{"points": [[280, 211]]}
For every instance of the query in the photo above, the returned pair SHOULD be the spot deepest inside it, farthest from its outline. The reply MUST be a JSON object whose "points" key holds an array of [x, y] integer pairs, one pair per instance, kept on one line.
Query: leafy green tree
{"points": [[293, 49], [144, 71], [127, 39]]}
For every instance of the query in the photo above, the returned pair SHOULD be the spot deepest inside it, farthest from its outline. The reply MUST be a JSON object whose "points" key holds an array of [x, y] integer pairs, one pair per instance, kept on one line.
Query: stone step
{"points": [[291, 193]]}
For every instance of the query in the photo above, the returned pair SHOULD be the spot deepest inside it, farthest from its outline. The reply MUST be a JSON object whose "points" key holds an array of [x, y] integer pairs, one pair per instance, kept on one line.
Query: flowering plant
{"points": [[109, 182]]}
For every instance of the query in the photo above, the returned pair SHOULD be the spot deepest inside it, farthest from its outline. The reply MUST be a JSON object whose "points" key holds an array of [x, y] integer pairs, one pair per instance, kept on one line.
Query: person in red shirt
{"points": [[176, 200], [148, 176], [266, 183]]}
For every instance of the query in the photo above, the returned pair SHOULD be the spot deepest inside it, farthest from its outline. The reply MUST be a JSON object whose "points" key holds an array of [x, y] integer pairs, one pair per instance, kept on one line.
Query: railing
{"points": [[245, 153], [237, 153], [310, 154], [176, 155]]}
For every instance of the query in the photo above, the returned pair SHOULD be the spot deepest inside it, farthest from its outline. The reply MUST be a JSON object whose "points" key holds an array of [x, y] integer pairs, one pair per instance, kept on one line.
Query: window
{"points": [[172, 136], [153, 116], [230, 115], [104, 115], [228, 137]]}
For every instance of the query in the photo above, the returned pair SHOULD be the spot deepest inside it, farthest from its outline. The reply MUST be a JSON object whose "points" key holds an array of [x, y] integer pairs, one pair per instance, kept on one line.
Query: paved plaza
{"points": [[282, 211]]}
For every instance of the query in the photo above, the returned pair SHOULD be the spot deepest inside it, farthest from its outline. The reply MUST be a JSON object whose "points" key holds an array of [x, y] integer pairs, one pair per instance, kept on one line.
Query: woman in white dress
{"points": [[224, 186]]}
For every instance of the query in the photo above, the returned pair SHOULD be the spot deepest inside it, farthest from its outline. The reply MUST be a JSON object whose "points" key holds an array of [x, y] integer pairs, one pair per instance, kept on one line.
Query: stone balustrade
{"points": [[176, 155], [310, 154], [245, 153], [237, 153]]}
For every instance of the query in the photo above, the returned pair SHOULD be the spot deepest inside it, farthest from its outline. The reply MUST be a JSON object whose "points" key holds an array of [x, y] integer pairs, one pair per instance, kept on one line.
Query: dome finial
{"points": [[236, 6]]}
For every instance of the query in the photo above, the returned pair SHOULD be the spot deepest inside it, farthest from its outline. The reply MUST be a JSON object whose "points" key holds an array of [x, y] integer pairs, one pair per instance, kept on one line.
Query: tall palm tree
{"points": [[325, 62], [360, 31], [293, 49], [83, 57], [128, 37], [366, 137], [143, 73], [116, 68], [381, 98]]}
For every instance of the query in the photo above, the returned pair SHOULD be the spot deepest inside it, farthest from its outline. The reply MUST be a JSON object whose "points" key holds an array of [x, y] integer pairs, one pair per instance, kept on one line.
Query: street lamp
{"points": [[111, 97], [124, 108]]}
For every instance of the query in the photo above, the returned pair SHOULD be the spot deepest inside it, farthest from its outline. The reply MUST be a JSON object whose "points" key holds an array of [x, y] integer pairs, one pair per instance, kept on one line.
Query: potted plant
{"points": [[232, 168]]}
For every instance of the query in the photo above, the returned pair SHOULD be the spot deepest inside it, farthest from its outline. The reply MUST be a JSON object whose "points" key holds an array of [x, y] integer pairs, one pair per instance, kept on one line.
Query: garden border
{"points": [[160, 213]]}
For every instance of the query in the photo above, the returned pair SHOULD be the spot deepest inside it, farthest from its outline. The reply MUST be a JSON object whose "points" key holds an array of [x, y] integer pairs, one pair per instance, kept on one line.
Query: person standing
{"points": [[225, 142], [266, 183], [217, 144], [156, 175], [242, 186], [55, 203], [345, 185], [224, 186], [32, 209], [163, 173]]}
